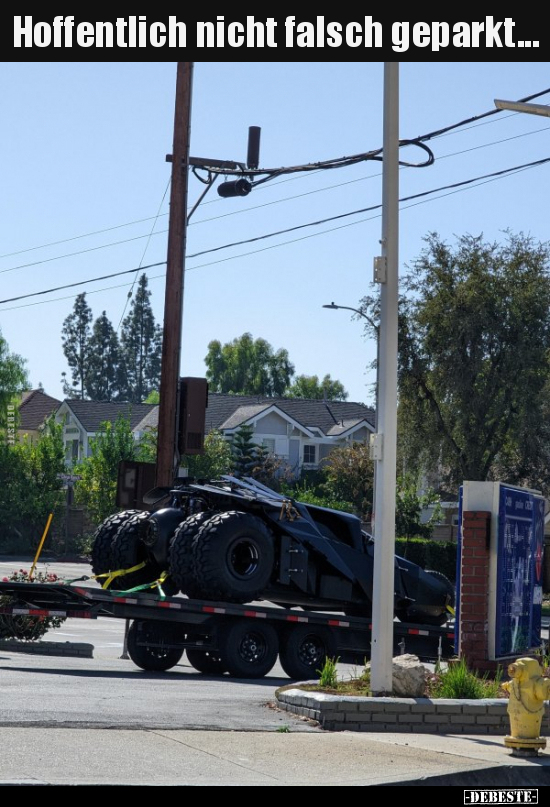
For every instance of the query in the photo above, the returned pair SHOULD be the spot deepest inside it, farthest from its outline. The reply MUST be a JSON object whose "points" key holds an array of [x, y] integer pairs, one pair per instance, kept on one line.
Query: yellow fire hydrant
{"points": [[528, 689]]}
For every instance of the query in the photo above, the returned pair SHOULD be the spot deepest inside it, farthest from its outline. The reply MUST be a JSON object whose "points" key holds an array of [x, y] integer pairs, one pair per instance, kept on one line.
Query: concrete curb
{"points": [[72, 649], [418, 715]]}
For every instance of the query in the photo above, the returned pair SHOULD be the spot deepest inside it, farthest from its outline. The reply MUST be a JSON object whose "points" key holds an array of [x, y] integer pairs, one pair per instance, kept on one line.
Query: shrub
{"points": [[27, 628]]}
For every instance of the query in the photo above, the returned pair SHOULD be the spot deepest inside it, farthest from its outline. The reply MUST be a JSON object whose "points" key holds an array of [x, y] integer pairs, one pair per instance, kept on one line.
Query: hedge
{"points": [[440, 556]]}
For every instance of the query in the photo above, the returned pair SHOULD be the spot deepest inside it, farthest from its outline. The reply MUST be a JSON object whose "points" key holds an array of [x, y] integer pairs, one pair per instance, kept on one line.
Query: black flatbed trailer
{"points": [[242, 640]]}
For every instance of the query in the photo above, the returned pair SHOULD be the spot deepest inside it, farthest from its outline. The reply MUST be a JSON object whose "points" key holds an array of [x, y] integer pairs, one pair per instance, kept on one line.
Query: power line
{"points": [[454, 187], [436, 133]]}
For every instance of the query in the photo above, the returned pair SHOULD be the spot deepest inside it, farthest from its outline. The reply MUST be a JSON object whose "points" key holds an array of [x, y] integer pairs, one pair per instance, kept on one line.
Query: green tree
{"points": [[31, 488], [409, 506], [248, 366], [349, 474], [105, 376], [216, 460], [99, 472], [75, 338], [474, 347], [243, 450], [13, 380], [309, 386], [141, 343]]}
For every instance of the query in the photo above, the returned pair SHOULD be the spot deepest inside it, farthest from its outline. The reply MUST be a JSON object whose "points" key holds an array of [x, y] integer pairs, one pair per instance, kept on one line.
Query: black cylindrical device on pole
{"points": [[238, 187]]}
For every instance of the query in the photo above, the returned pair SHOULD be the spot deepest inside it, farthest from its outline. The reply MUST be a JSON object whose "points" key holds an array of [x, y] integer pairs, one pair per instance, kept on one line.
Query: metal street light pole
{"points": [[384, 547]]}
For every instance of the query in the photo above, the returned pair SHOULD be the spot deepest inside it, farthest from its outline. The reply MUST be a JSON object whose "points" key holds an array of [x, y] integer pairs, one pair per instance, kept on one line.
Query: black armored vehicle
{"points": [[238, 541]]}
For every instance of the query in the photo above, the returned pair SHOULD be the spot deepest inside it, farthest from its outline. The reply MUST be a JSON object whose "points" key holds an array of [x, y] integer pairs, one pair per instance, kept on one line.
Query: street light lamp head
{"points": [[331, 305]]}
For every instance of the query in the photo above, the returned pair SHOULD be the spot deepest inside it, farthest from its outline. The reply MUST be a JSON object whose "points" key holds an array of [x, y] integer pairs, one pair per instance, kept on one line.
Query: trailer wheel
{"points": [[148, 646], [233, 557], [128, 551], [304, 650], [180, 554], [248, 648], [101, 555], [204, 661]]}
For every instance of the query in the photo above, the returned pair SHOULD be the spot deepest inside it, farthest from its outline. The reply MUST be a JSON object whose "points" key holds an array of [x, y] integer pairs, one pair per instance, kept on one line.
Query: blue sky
{"points": [[86, 187]]}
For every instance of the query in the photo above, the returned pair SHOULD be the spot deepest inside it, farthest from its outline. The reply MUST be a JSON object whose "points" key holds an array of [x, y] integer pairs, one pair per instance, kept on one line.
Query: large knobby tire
{"points": [[304, 650], [233, 557], [128, 551], [181, 557], [148, 648], [101, 555], [204, 661], [248, 648]]}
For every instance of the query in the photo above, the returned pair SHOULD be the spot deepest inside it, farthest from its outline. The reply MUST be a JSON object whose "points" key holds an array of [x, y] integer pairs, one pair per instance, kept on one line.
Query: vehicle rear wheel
{"points": [[204, 661], [181, 557], [304, 650], [102, 555], [129, 551], [248, 649], [233, 557], [148, 646]]}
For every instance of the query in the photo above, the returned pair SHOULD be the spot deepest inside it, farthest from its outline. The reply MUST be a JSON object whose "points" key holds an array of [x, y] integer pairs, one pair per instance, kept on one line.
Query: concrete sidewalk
{"points": [[67, 756]]}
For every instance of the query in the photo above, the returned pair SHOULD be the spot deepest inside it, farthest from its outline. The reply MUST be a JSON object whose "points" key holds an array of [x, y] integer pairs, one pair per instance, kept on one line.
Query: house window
{"points": [[309, 455], [269, 444]]}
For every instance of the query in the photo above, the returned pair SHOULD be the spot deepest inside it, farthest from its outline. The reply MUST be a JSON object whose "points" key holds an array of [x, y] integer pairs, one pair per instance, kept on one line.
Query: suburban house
{"points": [[82, 422], [301, 432], [35, 408]]}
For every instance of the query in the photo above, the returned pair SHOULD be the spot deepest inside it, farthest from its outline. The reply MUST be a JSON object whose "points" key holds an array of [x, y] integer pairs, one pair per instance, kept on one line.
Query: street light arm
{"points": [[356, 311]]}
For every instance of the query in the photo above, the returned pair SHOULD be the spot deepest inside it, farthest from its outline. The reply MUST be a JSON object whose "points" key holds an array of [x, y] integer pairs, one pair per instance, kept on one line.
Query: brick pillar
{"points": [[473, 596]]}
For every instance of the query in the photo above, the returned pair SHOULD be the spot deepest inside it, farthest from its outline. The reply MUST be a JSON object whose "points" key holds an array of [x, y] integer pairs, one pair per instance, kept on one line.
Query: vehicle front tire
{"points": [[181, 557], [233, 557], [102, 555], [129, 551]]}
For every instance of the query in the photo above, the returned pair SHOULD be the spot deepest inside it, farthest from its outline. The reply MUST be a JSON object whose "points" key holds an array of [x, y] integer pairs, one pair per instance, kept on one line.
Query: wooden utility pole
{"points": [[175, 274]]}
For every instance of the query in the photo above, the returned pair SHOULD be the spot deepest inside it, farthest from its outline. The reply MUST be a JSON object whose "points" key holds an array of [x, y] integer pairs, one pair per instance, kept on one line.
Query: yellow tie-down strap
{"points": [[110, 576]]}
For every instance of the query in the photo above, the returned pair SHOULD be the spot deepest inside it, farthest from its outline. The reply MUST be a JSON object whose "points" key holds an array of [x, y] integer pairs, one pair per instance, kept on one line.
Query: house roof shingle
{"points": [[34, 408], [92, 414], [229, 411], [226, 412]]}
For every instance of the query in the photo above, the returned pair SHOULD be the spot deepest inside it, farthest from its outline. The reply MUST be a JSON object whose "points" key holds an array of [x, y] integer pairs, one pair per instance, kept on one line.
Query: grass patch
{"points": [[456, 681], [459, 682]]}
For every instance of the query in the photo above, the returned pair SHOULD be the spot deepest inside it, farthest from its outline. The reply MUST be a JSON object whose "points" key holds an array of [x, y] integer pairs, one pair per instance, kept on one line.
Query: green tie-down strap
{"points": [[110, 576]]}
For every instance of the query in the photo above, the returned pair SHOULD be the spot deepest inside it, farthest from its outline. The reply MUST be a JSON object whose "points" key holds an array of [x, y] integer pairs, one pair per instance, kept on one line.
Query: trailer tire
{"points": [[154, 657], [233, 557], [304, 650], [204, 661], [102, 555], [181, 556], [248, 648], [128, 551]]}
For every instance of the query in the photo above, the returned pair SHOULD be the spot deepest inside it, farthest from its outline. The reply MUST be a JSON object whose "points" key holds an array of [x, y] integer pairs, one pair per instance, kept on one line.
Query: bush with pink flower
{"points": [[27, 628]]}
